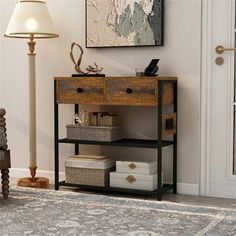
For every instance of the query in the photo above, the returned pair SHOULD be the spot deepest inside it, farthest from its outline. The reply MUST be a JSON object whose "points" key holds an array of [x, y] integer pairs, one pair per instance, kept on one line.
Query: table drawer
{"points": [[130, 91], [81, 90]]}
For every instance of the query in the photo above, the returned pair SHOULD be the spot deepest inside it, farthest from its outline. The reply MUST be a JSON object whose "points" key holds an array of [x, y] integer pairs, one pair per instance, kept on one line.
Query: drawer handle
{"points": [[80, 90], [131, 179], [129, 90], [132, 166]]}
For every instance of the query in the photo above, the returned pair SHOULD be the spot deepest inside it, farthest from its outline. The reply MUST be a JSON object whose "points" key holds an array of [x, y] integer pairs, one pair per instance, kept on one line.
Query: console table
{"points": [[122, 91]]}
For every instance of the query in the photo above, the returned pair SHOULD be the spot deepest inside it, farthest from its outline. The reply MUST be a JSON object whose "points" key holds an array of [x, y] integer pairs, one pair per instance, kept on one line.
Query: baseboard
{"points": [[186, 188], [183, 188]]}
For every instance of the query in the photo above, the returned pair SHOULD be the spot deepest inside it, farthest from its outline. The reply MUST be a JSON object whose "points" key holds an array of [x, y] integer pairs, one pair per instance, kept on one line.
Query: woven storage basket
{"points": [[83, 176], [94, 133]]}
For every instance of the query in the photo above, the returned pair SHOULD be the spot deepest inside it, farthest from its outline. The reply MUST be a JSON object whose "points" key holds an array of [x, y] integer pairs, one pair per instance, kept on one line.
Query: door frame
{"points": [[208, 56]]}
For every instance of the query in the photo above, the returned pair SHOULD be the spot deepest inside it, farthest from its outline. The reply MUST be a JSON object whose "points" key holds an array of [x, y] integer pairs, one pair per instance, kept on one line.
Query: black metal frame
{"points": [[138, 143]]}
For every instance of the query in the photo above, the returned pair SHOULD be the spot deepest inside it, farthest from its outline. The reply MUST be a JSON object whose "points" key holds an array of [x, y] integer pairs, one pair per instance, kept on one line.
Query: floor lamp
{"points": [[31, 20]]}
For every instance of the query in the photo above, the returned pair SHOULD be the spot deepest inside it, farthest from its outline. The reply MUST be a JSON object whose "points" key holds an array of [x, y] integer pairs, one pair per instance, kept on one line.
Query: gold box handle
{"points": [[132, 166], [131, 179]]}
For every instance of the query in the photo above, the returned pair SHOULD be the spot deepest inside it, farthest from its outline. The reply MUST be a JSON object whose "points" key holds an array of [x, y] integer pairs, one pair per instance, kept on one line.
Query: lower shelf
{"points": [[164, 189]]}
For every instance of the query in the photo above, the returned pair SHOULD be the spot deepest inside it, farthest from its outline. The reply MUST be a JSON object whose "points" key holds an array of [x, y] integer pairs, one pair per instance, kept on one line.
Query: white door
{"points": [[217, 100]]}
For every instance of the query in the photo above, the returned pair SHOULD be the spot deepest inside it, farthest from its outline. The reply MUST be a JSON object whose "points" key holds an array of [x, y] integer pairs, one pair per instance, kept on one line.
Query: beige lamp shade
{"points": [[31, 17]]}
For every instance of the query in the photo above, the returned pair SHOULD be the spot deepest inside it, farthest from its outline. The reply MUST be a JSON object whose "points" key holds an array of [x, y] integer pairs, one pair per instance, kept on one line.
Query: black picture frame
{"points": [[158, 6]]}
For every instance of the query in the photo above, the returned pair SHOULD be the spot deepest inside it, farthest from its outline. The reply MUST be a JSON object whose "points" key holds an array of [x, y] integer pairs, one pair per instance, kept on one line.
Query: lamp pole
{"points": [[32, 109], [39, 182]]}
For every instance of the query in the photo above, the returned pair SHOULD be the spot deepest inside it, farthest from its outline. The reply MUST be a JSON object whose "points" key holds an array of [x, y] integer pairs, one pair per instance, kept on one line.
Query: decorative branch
{"points": [[89, 69]]}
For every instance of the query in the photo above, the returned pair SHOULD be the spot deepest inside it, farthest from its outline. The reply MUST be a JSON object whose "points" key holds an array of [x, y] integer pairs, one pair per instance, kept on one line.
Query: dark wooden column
{"points": [[5, 156]]}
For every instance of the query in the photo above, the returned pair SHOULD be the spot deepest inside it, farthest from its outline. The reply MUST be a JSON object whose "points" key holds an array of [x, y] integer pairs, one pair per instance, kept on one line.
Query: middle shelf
{"points": [[139, 143]]}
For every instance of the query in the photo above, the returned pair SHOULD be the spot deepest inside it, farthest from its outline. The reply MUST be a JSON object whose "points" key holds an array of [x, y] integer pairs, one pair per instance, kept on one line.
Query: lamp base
{"points": [[38, 182]]}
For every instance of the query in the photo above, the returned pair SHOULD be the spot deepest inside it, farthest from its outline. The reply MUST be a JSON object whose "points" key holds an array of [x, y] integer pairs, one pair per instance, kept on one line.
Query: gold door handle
{"points": [[220, 49]]}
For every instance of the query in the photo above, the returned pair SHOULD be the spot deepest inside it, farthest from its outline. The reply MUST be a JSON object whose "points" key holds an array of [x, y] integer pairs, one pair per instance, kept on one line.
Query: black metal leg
{"points": [[159, 134], [76, 149], [56, 127], [76, 145], [175, 165], [175, 142], [159, 174]]}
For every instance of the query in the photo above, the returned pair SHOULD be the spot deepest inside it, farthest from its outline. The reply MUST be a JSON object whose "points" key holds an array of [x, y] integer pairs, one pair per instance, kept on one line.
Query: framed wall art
{"points": [[124, 23]]}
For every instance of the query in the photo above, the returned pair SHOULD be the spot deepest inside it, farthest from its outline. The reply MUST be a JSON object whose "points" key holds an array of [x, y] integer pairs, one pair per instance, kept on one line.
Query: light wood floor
{"points": [[177, 198]]}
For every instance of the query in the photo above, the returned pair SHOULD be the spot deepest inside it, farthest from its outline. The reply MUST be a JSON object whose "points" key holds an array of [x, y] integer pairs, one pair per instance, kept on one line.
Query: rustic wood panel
{"points": [[81, 90], [133, 91], [168, 96]]}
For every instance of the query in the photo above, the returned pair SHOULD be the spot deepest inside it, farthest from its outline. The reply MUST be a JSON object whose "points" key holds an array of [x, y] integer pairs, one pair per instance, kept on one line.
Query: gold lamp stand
{"points": [[33, 182]]}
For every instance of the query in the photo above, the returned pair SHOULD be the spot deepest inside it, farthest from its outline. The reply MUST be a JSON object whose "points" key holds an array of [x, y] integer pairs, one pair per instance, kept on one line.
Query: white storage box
{"points": [[94, 133], [133, 181], [143, 168], [88, 170]]}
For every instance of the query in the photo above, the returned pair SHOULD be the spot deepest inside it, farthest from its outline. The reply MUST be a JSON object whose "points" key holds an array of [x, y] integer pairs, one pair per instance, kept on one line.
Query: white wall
{"points": [[179, 57]]}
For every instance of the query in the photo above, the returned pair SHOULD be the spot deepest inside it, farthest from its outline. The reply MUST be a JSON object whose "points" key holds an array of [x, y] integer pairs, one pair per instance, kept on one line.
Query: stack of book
{"points": [[103, 119]]}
